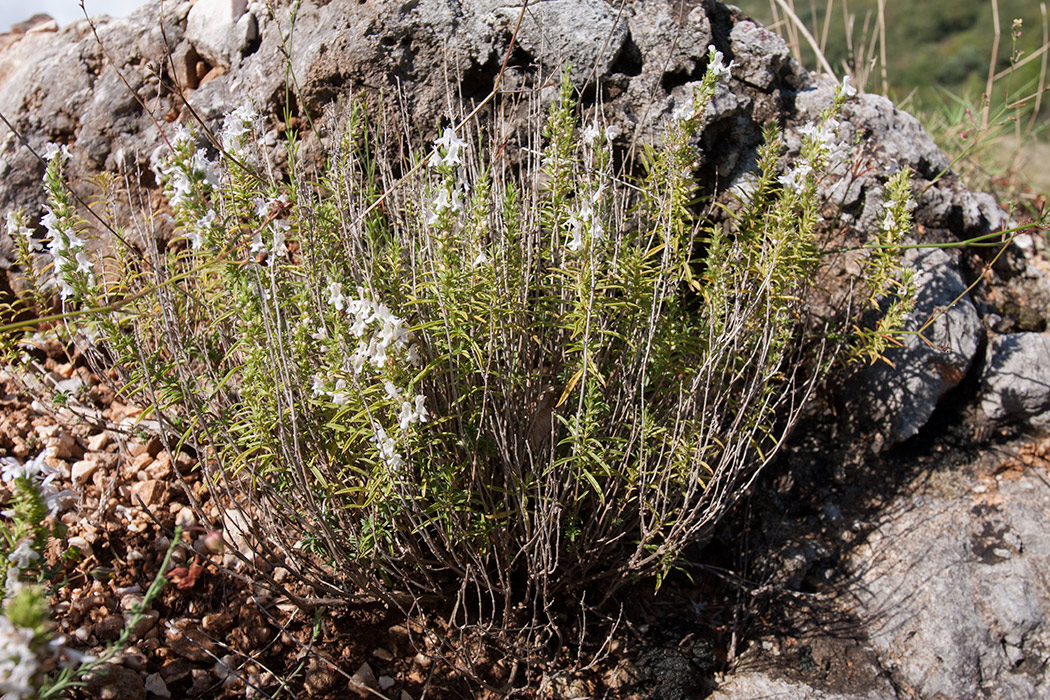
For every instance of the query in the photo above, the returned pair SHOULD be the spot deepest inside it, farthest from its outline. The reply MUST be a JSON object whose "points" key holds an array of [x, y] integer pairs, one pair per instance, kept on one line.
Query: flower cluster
{"points": [[447, 149], [19, 662], [33, 484], [24, 630], [182, 168], [585, 222], [593, 133], [278, 227], [41, 476], [381, 332], [389, 331], [237, 127], [823, 150], [446, 158], [68, 250], [387, 449], [445, 200], [17, 229], [715, 65]]}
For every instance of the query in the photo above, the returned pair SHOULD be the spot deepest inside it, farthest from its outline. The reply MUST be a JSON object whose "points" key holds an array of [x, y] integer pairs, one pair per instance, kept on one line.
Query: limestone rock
{"points": [[760, 684], [1015, 384], [149, 493], [221, 30], [564, 32], [952, 592]]}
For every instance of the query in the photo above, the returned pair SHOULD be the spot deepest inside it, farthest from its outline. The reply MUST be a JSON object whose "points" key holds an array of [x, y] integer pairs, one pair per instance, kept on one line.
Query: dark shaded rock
{"points": [[901, 397], [116, 683], [1015, 384], [950, 590]]}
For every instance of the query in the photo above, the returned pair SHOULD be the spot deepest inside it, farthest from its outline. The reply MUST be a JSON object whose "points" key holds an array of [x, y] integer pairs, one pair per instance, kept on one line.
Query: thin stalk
{"points": [[990, 84]]}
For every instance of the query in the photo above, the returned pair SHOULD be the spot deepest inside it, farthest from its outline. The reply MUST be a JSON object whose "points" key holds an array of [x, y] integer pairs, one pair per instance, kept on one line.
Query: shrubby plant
{"points": [[35, 661], [498, 389]]}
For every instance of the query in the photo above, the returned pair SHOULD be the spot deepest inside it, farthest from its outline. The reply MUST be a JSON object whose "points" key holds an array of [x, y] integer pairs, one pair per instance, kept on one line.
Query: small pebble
{"points": [[155, 685], [186, 518]]}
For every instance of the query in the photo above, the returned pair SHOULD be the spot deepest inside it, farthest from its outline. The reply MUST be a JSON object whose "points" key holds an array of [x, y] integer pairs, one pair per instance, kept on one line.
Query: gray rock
{"points": [[583, 34], [1015, 384], [758, 684], [899, 398], [951, 592], [116, 683], [760, 55], [221, 30]]}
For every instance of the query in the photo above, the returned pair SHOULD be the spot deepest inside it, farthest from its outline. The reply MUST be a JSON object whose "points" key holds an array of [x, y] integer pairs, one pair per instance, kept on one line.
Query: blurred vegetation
{"points": [[935, 59], [930, 47]]}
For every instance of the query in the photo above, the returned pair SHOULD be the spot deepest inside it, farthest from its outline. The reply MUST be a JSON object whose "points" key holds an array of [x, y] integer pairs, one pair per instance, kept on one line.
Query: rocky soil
{"points": [[897, 550]]}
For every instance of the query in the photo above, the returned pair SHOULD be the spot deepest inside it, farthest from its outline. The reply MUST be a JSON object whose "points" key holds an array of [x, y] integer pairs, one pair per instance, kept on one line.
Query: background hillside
{"points": [[938, 45], [935, 64]]}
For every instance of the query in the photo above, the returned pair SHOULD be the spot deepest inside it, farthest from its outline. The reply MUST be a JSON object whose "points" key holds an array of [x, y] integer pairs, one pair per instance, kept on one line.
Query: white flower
{"points": [[822, 134], [31, 469], [262, 207], [405, 419], [393, 330], [15, 229], [235, 126], [317, 385], [84, 263], [182, 136], [847, 89], [377, 353], [279, 228], [597, 233], [257, 244], [12, 470], [201, 165], [335, 296], [358, 359], [480, 260], [338, 395], [391, 390], [576, 243], [421, 411], [178, 186], [576, 226], [452, 145], [795, 178], [18, 661], [64, 288], [54, 150], [56, 501], [387, 449], [412, 412], [444, 202], [591, 132], [714, 63], [23, 554]]}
